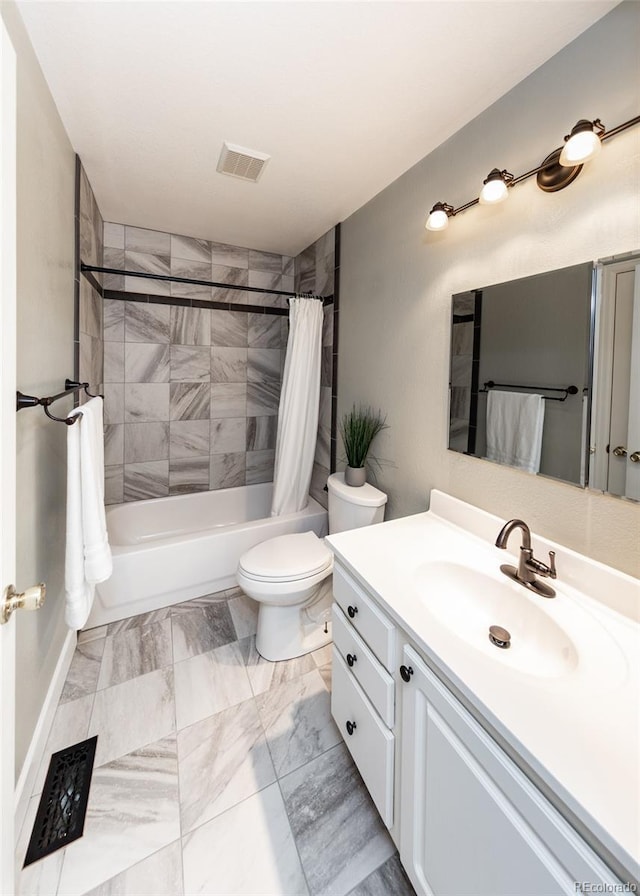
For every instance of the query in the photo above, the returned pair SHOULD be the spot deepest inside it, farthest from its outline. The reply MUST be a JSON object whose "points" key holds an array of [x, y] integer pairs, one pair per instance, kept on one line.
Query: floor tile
{"points": [[70, 725], [209, 683], [331, 812], [201, 630], [389, 878], [132, 812], [264, 675], [296, 717], [141, 621], [222, 760], [198, 602], [322, 656], [159, 875], [325, 672], [84, 670], [92, 634], [129, 715], [244, 612], [135, 652], [269, 866]]}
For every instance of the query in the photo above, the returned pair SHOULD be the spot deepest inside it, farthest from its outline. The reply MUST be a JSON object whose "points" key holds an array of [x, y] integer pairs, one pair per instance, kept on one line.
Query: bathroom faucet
{"points": [[528, 566]]}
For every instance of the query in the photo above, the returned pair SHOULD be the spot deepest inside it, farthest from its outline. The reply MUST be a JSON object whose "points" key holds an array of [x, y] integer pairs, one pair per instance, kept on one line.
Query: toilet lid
{"points": [[286, 558]]}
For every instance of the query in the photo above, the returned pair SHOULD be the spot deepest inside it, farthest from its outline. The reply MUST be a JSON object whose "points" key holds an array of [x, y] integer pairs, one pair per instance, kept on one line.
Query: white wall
{"points": [[397, 279], [46, 164]]}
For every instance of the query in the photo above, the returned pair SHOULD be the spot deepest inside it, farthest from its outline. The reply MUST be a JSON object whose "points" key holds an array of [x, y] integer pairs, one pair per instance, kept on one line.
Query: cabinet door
{"points": [[471, 822]]}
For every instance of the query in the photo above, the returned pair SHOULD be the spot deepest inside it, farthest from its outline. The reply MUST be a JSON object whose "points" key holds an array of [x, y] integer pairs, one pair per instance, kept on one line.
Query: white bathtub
{"points": [[166, 550]]}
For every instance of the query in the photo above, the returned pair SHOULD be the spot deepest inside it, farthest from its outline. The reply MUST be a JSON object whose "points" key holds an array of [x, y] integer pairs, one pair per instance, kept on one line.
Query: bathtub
{"points": [[166, 550]]}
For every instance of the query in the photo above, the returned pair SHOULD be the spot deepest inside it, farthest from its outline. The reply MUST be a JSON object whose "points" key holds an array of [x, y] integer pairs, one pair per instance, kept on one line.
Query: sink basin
{"points": [[467, 601]]}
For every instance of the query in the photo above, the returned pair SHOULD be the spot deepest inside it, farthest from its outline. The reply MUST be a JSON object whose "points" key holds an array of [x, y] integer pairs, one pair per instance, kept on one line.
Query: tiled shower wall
{"points": [[88, 336], [315, 272], [191, 393]]}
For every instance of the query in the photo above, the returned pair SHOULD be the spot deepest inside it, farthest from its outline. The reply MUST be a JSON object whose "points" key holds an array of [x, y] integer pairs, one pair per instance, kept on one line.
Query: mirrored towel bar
{"points": [[568, 390], [70, 386]]}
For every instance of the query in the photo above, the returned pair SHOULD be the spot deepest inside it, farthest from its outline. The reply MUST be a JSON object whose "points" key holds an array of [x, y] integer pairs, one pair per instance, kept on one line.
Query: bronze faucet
{"points": [[528, 566]]}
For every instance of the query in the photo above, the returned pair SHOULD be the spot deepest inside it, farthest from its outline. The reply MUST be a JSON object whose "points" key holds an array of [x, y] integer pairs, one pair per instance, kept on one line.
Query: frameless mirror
{"points": [[522, 390]]}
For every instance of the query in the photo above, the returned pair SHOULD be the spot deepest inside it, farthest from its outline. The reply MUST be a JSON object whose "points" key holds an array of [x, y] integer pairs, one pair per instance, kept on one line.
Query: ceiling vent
{"points": [[238, 161]]}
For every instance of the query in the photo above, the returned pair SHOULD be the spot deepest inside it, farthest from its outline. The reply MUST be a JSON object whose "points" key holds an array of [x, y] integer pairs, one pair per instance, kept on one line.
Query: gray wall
{"points": [[45, 310], [397, 280]]}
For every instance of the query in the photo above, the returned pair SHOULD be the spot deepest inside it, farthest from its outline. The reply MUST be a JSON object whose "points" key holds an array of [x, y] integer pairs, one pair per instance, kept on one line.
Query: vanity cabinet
{"points": [[470, 820], [363, 691], [465, 817]]}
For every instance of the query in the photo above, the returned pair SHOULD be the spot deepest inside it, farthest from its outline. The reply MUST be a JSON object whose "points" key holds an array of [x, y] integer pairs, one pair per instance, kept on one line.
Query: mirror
{"points": [[522, 390]]}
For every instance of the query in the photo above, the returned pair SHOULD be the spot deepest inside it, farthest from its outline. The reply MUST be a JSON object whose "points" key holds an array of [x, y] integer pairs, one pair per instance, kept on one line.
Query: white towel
{"points": [[88, 555], [515, 422]]}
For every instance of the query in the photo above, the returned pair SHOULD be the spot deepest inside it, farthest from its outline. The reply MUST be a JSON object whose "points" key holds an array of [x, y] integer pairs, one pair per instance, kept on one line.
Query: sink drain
{"points": [[499, 636]]}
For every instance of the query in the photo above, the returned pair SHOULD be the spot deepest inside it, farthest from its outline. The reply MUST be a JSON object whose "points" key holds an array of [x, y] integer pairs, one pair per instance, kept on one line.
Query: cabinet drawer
{"points": [[370, 622], [371, 743], [376, 682]]}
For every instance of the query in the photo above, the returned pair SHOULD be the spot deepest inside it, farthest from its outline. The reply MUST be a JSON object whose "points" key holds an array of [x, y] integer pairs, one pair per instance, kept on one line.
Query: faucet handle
{"points": [[552, 565], [537, 566]]}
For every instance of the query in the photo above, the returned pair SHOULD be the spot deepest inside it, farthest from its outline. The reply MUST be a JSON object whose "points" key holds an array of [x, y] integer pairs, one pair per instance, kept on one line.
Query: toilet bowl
{"points": [[289, 576]]}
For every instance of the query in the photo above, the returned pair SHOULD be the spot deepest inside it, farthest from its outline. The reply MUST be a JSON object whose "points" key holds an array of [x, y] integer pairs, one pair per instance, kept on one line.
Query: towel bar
{"points": [[70, 386]]}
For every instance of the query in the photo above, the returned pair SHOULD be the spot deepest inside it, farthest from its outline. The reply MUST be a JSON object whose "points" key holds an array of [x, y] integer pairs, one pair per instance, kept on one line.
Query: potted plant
{"points": [[358, 429]]}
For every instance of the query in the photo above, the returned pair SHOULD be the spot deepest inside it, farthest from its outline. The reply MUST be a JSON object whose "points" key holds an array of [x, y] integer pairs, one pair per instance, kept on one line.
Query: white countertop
{"points": [[579, 731]]}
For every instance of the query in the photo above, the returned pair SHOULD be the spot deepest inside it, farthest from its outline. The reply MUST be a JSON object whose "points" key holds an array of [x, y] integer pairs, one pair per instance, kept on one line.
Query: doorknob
{"points": [[31, 599], [635, 457], [620, 451]]}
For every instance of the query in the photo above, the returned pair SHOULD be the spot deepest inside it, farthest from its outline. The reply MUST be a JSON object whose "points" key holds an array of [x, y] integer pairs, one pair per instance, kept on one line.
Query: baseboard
{"points": [[25, 782]]}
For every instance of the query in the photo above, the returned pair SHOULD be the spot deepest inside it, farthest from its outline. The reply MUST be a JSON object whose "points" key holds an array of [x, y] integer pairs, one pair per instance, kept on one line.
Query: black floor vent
{"points": [[63, 804]]}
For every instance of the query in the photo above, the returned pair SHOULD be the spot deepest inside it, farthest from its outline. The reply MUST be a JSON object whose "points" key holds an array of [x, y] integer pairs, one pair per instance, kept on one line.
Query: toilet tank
{"points": [[353, 507]]}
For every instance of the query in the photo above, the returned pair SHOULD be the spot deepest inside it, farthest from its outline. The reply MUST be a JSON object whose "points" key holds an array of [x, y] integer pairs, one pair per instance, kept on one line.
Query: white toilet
{"points": [[289, 575]]}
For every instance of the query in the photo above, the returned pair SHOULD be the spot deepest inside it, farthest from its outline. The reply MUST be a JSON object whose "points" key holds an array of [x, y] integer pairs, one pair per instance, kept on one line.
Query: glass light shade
{"points": [[437, 220], [495, 190], [579, 148]]}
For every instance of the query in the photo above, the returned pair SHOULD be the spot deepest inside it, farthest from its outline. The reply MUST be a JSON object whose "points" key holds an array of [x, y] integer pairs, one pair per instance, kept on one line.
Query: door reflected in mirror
{"points": [[522, 388]]}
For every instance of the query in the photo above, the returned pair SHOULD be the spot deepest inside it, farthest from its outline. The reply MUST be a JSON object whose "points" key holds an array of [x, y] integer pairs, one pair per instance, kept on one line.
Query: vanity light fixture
{"points": [[439, 216], [495, 187], [583, 143], [557, 171]]}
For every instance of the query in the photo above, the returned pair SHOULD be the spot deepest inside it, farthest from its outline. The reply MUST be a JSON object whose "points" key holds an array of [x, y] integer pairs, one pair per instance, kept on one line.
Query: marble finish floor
{"points": [[215, 773]]}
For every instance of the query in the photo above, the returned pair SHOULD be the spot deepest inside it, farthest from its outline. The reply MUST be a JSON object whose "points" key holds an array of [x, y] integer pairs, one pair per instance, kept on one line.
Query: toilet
{"points": [[289, 576]]}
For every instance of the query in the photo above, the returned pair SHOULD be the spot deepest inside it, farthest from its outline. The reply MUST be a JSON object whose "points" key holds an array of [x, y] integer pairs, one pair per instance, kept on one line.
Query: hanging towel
{"points": [[88, 555], [514, 429]]}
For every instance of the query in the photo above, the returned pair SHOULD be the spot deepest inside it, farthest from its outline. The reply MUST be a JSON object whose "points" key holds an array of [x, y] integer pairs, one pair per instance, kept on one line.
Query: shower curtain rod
{"points": [[144, 276]]}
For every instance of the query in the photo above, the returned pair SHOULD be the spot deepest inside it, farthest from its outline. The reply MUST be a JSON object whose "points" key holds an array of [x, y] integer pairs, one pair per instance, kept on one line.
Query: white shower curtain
{"points": [[298, 413]]}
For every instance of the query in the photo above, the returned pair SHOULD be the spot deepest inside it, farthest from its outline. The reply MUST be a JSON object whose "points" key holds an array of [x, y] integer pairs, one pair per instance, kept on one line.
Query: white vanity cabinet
{"points": [[470, 821], [465, 817], [363, 691]]}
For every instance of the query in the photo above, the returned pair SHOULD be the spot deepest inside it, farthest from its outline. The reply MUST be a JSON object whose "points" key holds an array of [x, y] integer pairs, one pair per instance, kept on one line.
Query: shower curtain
{"points": [[298, 413]]}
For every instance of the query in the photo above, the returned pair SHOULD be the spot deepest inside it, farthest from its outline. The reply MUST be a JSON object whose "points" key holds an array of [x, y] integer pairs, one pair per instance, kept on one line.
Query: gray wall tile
{"points": [[189, 438], [265, 331], [114, 444], [188, 475], [230, 256], [227, 470], [147, 362], [228, 365], [228, 435], [146, 322], [145, 442], [260, 466], [228, 400], [114, 362], [189, 401], [190, 363], [195, 270], [190, 326], [263, 365], [113, 320], [114, 402], [190, 249], [261, 433], [265, 261], [146, 401], [155, 242], [113, 235], [220, 273], [262, 399], [146, 480], [229, 328], [114, 485]]}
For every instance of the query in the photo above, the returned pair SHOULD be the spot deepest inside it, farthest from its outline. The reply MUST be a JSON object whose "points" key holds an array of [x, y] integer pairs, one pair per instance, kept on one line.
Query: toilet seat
{"points": [[286, 558]]}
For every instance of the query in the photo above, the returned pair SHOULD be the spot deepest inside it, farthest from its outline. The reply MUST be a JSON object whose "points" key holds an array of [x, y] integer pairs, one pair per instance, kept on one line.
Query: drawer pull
{"points": [[406, 672], [351, 659], [351, 727], [352, 611]]}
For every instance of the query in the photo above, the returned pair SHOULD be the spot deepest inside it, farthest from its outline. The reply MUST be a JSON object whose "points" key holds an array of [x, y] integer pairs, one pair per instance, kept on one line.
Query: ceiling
{"points": [[344, 97]]}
